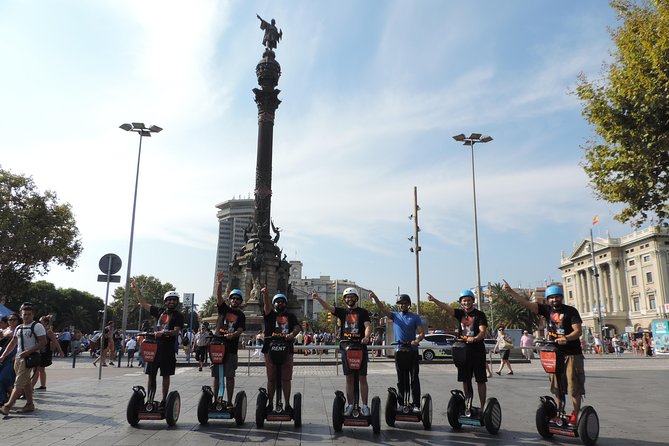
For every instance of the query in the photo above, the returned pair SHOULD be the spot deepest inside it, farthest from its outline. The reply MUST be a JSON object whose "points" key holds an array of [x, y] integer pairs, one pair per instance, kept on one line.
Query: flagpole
{"points": [[596, 274]]}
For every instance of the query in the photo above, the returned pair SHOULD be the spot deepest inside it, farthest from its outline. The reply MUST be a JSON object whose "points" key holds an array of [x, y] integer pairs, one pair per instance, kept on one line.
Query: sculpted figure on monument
{"points": [[256, 261], [276, 231], [272, 33]]}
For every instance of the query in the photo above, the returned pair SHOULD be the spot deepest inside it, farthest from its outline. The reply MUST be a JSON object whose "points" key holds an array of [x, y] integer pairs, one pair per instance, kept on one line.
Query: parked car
{"points": [[437, 345]]}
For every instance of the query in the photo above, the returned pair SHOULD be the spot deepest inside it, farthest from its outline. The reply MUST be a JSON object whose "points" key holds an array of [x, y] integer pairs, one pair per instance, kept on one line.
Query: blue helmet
{"points": [[237, 292], [279, 296], [553, 290], [466, 293]]}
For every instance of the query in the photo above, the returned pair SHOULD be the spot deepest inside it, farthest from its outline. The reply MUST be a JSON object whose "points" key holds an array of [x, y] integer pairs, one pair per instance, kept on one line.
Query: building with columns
{"points": [[326, 287], [631, 287]]}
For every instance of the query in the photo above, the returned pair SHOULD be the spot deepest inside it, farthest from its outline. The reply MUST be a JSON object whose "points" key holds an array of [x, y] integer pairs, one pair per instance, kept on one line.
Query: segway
{"points": [[142, 406], [353, 355], [279, 349], [398, 407], [214, 406], [551, 418], [461, 410]]}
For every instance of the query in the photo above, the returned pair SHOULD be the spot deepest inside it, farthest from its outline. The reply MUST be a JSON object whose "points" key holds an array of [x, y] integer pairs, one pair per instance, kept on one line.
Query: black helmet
{"points": [[403, 298]]}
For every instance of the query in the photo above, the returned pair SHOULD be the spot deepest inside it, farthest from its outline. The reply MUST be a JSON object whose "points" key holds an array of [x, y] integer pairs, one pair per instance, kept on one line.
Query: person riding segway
{"points": [[223, 348], [281, 327], [469, 356], [404, 403], [562, 358], [159, 354], [353, 352]]}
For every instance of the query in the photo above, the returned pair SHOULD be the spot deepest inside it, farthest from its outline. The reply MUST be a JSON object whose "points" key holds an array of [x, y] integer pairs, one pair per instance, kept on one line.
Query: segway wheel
{"points": [[203, 408], [588, 426], [297, 410], [376, 415], [426, 411], [542, 416], [132, 413], [240, 408], [456, 406], [391, 408], [492, 416], [172, 408], [261, 406], [337, 414]]}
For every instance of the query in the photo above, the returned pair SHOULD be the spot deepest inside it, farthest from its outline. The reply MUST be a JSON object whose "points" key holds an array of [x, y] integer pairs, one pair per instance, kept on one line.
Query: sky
{"points": [[372, 93]]}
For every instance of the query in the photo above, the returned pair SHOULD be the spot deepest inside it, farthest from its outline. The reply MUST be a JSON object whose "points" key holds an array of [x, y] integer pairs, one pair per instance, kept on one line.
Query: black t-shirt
{"points": [[166, 320], [469, 326], [559, 323], [351, 323], [279, 325], [229, 320]]}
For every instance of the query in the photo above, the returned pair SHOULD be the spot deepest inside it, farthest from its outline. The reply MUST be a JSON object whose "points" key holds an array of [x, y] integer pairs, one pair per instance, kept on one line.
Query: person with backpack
{"points": [[29, 339]]}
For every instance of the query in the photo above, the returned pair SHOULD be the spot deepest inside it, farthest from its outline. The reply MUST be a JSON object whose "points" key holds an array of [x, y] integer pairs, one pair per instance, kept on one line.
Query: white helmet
{"points": [[350, 291], [171, 295]]}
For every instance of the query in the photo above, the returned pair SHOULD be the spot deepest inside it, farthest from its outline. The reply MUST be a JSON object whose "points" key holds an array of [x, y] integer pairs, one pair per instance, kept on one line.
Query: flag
{"points": [[595, 220]]}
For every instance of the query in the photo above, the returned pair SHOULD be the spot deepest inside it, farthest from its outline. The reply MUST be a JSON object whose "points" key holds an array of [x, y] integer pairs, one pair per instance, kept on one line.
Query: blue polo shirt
{"points": [[405, 326]]}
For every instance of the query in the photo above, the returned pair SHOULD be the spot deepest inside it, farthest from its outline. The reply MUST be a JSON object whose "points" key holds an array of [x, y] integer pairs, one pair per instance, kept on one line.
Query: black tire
{"points": [[132, 412], [541, 418], [297, 410], [456, 405], [261, 406], [426, 411], [337, 414], [172, 408], [240, 408], [391, 408], [376, 415], [428, 355], [492, 416], [203, 408], [588, 426]]}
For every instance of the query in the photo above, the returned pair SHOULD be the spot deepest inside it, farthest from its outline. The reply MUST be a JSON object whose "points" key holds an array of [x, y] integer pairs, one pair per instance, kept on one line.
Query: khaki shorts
{"points": [[22, 373], [229, 366], [575, 373]]}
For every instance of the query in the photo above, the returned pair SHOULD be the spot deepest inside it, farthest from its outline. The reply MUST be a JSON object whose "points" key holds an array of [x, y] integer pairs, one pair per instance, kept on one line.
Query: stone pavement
{"points": [[630, 395]]}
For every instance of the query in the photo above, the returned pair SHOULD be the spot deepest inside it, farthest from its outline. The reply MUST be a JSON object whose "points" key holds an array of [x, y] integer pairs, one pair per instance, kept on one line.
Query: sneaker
{"points": [[415, 408], [199, 369], [573, 418], [28, 408], [288, 409], [269, 408], [365, 410], [348, 410]]}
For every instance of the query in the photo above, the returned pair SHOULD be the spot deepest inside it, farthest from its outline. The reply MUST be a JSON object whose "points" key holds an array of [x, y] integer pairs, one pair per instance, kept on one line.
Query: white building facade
{"points": [[633, 280]]}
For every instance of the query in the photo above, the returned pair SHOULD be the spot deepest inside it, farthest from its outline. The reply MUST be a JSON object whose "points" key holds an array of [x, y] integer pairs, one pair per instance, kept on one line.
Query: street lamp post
{"points": [[470, 141], [139, 128]]}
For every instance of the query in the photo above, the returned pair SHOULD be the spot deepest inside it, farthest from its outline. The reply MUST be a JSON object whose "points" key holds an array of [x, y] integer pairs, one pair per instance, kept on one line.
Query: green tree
{"points": [[153, 291], [68, 307], [629, 110], [35, 231], [507, 312], [208, 308]]}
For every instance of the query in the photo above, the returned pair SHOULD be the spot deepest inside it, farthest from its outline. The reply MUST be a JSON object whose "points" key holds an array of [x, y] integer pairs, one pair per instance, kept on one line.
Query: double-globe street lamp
{"points": [[143, 131], [470, 141]]}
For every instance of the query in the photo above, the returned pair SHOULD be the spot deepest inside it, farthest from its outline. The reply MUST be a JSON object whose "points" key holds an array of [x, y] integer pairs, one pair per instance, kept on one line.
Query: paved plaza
{"points": [[630, 394]]}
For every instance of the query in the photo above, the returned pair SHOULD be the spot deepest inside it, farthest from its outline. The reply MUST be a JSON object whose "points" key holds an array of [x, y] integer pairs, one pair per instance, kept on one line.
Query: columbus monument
{"points": [[259, 262]]}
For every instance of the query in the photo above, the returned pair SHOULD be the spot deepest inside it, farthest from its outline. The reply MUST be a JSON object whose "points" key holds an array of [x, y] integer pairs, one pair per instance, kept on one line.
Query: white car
{"points": [[435, 345]]}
